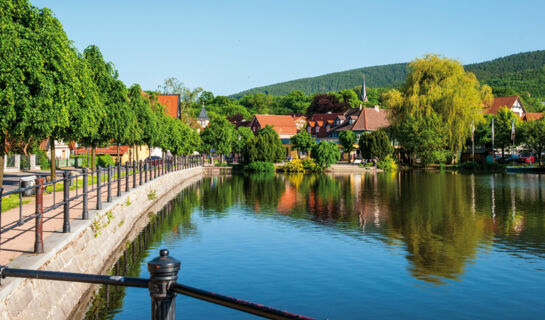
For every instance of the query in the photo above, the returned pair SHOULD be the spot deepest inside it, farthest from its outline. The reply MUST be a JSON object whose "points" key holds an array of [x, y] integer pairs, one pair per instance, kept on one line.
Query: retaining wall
{"points": [[92, 247]]}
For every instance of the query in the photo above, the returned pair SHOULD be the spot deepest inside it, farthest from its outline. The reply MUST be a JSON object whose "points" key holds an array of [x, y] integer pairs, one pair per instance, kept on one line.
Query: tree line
{"points": [[49, 90]]}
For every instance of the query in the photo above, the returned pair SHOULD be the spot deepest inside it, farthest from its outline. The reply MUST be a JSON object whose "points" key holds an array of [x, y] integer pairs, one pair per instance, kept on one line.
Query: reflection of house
{"points": [[127, 153], [513, 103]]}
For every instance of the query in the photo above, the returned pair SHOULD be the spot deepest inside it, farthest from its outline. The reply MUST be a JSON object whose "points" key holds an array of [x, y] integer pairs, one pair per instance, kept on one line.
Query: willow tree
{"points": [[441, 86], [39, 75]]}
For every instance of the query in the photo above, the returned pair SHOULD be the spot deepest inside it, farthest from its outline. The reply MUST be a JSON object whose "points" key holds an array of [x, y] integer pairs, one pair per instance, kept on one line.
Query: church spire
{"points": [[363, 95]]}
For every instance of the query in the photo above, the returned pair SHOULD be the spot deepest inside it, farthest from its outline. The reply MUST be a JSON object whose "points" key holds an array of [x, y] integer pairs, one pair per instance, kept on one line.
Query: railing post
{"points": [[146, 171], [119, 179], [1, 191], [163, 273], [140, 170], [66, 191], [39, 239], [99, 187], [155, 171], [109, 197], [134, 174], [127, 176], [85, 213]]}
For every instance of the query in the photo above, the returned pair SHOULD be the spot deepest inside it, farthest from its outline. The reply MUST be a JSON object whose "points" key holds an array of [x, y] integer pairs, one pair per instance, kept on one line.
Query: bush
{"points": [[105, 160], [387, 164], [259, 166], [310, 165], [44, 161], [295, 165], [375, 145], [325, 154]]}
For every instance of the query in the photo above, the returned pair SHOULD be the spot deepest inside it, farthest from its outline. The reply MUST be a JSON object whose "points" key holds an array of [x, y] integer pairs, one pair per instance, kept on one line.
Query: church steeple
{"points": [[203, 117], [363, 94]]}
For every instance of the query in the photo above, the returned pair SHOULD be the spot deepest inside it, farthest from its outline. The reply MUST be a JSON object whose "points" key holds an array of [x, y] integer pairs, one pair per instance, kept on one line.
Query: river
{"points": [[419, 245]]}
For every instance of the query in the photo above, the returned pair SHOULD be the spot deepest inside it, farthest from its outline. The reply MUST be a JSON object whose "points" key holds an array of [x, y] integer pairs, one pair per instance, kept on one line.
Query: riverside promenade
{"points": [[21, 239]]}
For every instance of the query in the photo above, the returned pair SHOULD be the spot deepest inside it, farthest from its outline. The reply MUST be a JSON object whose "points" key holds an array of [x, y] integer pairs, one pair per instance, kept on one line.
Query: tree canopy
{"points": [[325, 154], [302, 141], [266, 147]]}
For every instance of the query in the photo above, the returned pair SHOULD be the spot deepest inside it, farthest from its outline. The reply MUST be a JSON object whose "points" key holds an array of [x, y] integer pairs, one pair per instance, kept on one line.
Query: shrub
{"points": [[325, 154], [259, 166], [295, 165], [44, 161], [375, 145], [105, 160], [387, 164], [310, 165]]}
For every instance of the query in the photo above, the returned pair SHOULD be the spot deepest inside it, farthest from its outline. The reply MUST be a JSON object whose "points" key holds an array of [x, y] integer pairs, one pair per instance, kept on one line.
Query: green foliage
{"points": [[302, 141], [266, 146], [534, 133], [259, 166], [325, 154], [298, 165], [293, 102], [347, 139], [219, 135], [152, 195], [375, 145], [242, 136], [503, 127], [105, 160], [387, 164]]}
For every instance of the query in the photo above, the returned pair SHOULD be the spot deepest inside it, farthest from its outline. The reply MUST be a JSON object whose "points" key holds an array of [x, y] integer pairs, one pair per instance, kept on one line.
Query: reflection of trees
{"points": [[435, 219], [263, 190], [220, 193]]}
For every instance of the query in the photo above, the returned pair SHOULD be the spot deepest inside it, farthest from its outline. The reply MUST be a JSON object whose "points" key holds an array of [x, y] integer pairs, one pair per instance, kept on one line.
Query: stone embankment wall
{"points": [[92, 247]]}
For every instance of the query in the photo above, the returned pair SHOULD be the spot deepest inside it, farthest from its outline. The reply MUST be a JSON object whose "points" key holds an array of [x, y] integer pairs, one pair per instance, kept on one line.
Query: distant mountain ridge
{"points": [[522, 72]]}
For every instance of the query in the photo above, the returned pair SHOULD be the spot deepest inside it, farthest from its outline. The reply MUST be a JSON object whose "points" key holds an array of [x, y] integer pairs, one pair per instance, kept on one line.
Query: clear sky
{"points": [[229, 46]]}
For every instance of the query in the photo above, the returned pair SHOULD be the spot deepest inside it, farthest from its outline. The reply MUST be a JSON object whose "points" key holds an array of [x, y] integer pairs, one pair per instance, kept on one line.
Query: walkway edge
{"points": [[87, 249]]}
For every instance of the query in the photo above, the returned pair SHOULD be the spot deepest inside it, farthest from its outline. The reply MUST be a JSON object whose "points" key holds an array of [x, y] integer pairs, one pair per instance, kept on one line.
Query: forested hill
{"points": [[521, 72]]}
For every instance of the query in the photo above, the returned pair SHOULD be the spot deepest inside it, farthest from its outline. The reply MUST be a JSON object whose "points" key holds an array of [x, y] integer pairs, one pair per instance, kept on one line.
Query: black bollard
{"points": [[66, 193], [85, 212], [163, 273]]}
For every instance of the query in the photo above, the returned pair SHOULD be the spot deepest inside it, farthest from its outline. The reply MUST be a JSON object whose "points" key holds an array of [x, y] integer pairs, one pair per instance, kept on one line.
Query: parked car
{"points": [[508, 158], [526, 158], [155, 160]]}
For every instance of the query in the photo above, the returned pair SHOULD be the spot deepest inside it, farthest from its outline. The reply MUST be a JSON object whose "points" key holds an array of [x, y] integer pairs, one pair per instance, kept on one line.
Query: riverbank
{"points": [[91, 247]]}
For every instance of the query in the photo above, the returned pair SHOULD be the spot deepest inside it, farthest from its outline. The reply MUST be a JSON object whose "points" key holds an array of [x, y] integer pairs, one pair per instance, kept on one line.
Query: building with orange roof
{"points": [[127, 153], [282, 124], [171, 102], [513, 103], [531, 116]]}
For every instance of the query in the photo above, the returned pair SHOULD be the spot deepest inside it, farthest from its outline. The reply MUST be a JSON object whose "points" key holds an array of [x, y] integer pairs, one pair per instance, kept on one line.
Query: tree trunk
{"points": [[136, 158], [93, 158], [53, 159], [502, 152], [2, 157], [118, 158]]}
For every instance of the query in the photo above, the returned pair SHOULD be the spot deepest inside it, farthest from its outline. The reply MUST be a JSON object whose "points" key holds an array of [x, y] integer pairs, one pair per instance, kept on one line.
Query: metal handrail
{"points": [[162, 286]]}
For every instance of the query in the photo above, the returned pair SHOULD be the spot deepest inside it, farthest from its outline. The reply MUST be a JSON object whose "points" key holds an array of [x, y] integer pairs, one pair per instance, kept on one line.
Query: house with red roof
{"points": [[513, 103], [282, 124], [531, 116], [319, 124], [171, 102], [360, 121]]}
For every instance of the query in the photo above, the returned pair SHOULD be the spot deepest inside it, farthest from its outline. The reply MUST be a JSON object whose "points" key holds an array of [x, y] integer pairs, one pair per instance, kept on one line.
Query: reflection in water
{"points": [[441, 219]]}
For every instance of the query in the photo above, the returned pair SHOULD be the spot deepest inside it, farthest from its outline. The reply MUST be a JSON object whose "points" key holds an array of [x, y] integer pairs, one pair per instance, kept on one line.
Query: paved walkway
{"points": [[21, 239]]}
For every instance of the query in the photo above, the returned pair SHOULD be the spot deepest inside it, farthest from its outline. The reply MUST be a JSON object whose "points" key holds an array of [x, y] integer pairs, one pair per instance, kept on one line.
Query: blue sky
{"points": [[229, 46]]}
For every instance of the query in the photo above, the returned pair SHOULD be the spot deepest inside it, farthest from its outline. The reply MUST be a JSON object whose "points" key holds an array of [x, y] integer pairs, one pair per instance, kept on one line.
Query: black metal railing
{"points": [[162, 287], [87, 185]]}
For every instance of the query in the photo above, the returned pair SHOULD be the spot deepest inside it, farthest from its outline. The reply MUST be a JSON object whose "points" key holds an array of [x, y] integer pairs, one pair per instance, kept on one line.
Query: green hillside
{"points": [[522, 72]]}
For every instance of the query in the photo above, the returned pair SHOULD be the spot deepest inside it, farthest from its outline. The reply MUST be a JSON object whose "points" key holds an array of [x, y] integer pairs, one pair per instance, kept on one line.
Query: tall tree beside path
{"points": [[534, 137], [146, 119], [437, 85], [302, 141], [39, 74], [347, 138]]}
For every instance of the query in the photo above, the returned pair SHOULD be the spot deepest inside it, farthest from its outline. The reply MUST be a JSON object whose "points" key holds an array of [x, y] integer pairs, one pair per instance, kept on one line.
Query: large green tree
{"points": [[302, 141], [440, 86], [375, 145], [534, 137], [218, 135], [423, 138], [295, 101], [503, 123], [325, 154], [146, 119], [39, 82], [347, 138], [242, 136], [266, 146]]}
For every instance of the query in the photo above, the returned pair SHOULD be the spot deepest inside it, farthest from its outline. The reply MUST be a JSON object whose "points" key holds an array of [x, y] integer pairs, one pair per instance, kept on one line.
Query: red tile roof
{"points": [[171, 102], [372, 119], [499, 102], [530, 116], [324, 116], [283, 125], [112, 150]]}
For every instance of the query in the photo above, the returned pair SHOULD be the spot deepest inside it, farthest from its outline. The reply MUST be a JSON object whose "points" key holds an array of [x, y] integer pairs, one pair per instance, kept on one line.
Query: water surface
{"points": [[408, 245]]}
